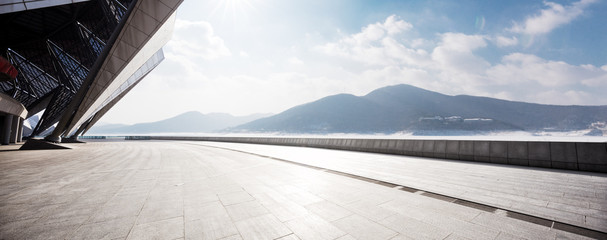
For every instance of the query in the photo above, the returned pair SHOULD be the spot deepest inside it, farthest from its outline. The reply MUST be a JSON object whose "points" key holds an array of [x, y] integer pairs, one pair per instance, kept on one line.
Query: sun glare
{"points": [[233, 9]]}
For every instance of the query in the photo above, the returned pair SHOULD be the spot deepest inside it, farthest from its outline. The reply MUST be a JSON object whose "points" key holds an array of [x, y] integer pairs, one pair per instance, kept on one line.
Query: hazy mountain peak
{"points": [[192, 121], [408, 108]]}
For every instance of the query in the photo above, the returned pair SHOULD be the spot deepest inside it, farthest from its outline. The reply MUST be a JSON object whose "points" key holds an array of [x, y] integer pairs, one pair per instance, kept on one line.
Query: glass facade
{"points": [[76, 60], [135, 78], [9, 6]]}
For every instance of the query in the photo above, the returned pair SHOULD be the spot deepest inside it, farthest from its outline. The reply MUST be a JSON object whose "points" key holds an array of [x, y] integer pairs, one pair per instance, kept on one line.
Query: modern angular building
{"points": [[70, 61]]}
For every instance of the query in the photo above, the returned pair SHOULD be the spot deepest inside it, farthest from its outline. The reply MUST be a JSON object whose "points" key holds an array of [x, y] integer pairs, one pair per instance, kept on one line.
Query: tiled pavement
{"points": [[571, 197], [180, 190]]}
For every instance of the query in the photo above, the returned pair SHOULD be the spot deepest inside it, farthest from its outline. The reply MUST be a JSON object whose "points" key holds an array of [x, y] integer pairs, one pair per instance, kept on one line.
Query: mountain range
{"points": [[408, 108], [399, 108], [186, 122]]}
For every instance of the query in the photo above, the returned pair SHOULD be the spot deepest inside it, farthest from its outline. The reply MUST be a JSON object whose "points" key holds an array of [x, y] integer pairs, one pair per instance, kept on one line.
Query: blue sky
{"points": [[265, 56]]}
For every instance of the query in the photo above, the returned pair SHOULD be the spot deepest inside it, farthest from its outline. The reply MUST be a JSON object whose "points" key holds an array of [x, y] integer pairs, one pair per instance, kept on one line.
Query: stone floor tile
{"points": [[269, 198], [47, 231], [289, 237], [235, 197], [303, 198], [346, 237], [362, 228], [246, 210], [154, 211], [508, 236], [213, 227], [11, 213], [514, 227], [112, 229], [286, 211], [328, 210], [165, 229], [369, 210], [210, 209], [311, 227], [454, 236], [414, 228], [201, 198], [12, 230], [109, 212], [262, 227], [233, 237], [401, 237]]}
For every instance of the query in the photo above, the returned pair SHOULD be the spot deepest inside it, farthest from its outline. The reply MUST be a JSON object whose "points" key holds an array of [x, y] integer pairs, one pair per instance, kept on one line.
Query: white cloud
{"points": [[552, 17], [461, 42], [455, 56], [419, 42], [295, 61], [518, 68], [563, 97], [197, 40], [394, 25], [375, 44], [502, 41]]}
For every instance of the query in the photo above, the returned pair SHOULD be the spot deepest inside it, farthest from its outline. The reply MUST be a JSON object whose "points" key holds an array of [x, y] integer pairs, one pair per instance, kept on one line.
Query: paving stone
{"points": [[262, 227], [153, 211], [286, 211], [165, 229], [414, 228], [47, 231], [246, 210], [14, 230], [112, 229], [109, 212], [514, 227], [508, 236], [289, 237], [235, 197], [207, 210], [362, 228], [370, 210], [313, 227], [233, 237], [328, 210], [211, 227], [400, 237]]}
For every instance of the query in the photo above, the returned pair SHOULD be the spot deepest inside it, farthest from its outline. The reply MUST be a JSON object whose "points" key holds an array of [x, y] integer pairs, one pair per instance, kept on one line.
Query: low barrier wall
{"points": [[582, 156]]}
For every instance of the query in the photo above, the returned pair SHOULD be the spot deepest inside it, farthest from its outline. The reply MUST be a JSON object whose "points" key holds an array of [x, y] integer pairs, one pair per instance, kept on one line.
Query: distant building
{"points": [[75, 59], [454, 119], [435, 118], [475, 120]]}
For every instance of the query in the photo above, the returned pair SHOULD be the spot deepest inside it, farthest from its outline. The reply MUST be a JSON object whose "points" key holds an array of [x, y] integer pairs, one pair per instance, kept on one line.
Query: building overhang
{"points": [[132, 50], [146, 30], [8, 105], [24, 5], [78, 58]]}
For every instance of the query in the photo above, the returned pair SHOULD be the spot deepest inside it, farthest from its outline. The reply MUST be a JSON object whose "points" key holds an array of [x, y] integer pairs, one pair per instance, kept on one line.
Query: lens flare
{"points": [[479, 23]]}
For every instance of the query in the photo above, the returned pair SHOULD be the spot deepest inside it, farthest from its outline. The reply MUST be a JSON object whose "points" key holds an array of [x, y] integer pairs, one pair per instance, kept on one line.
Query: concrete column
{"points": [[14, 129], [6, 130], [20, 130]]}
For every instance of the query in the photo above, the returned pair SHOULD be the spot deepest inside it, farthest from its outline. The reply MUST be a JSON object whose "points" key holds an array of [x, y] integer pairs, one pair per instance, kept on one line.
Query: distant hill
{"points": [[186, 122], [408, 108]]}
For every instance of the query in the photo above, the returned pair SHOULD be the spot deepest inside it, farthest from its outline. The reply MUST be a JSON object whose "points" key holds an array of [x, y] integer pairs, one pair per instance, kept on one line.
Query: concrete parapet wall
{"points": [[581, 156]]}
